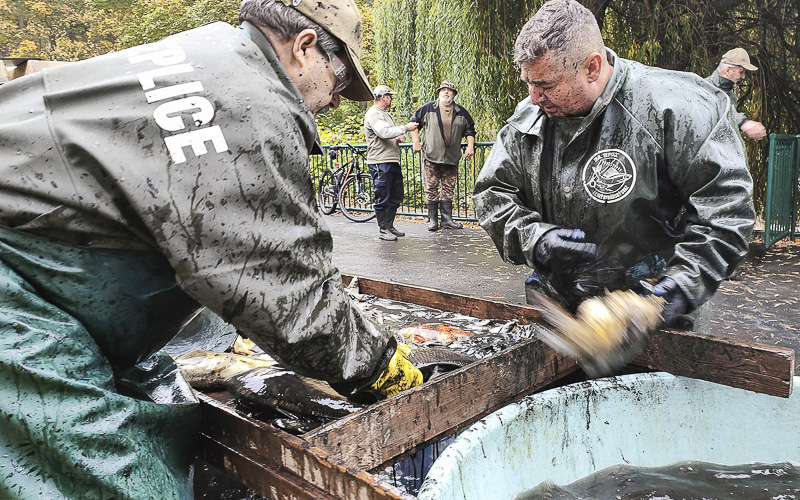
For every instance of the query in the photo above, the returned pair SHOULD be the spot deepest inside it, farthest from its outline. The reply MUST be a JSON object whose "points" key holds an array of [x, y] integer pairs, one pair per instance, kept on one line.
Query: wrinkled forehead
{"points": [[545, 68]]}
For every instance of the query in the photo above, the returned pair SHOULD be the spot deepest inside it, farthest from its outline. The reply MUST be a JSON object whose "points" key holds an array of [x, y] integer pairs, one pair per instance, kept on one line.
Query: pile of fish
{"points": [[442, 341]]}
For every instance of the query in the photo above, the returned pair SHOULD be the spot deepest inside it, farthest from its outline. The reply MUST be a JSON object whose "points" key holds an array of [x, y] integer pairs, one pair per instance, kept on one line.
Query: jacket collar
{"points": [[721, 82], [262, 42]]}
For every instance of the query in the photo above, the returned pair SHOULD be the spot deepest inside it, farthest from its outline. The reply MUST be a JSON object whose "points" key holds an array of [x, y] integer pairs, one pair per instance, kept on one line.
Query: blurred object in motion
{"points": [[606, 332]]}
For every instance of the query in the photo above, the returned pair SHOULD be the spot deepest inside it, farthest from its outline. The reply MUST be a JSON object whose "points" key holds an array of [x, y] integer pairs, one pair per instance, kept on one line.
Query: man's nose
{"points": [[335, 101], [537, 95]]}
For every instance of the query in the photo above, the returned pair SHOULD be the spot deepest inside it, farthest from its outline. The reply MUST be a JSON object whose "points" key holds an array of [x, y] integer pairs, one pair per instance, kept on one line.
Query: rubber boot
{"points": [[446, 208], [433, 216], [391, 214], [383, 228]]}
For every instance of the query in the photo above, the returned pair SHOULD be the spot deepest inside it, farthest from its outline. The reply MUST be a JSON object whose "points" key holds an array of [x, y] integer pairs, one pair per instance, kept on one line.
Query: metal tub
{"points": [[650, 420]]}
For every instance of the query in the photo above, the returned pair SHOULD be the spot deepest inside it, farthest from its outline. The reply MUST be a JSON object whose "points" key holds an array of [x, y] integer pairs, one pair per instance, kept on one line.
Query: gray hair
{"points": [[286, 22], [723, 66], [563, 28]]}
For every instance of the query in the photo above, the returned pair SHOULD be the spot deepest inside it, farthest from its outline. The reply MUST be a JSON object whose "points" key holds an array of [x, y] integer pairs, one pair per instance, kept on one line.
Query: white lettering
{"points": [[147, 78], [204, 114], [196, 139], [173, 91]]}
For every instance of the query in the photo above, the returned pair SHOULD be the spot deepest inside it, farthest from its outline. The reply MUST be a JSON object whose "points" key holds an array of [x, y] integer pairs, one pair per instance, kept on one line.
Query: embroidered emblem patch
{"points": [[609, 176]]}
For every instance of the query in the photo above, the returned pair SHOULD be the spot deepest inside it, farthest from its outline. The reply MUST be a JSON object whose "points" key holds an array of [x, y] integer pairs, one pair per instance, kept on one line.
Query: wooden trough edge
{"points": [[744, 365], [388, 430], [279, 465]]}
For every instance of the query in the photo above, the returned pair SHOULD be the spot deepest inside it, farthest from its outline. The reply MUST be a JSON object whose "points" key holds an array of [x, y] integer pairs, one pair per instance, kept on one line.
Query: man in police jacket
{"points": [[143, 184]]}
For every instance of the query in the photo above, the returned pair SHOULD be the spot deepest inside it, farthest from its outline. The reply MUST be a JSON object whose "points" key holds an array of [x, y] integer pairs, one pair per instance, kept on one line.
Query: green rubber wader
{"points": [[89, 409]]}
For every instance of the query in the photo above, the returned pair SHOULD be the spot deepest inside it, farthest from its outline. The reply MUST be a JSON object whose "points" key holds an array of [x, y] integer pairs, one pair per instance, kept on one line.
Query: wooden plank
{"points": [[261, 475], [386, 431], [278, 465], [745, 365], [446, 301]]}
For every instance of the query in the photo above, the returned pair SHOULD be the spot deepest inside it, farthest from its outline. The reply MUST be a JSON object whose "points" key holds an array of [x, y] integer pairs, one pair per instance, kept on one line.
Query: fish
{"points": [[208, 370], [433, 331], [282, 389], [606, 331], [433, 361]]}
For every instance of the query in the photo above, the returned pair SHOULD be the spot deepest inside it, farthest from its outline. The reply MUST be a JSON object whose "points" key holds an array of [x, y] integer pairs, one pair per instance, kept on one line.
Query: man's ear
{"points": [[301, 47], [593, 66]]}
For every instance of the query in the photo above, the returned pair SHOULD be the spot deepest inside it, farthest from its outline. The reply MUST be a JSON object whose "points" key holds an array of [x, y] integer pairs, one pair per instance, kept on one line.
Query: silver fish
{"points": [[208, 370]]}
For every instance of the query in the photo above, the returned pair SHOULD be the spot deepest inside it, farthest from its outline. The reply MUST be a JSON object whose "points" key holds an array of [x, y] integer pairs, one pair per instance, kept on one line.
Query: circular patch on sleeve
{"points": [[609, 176]]}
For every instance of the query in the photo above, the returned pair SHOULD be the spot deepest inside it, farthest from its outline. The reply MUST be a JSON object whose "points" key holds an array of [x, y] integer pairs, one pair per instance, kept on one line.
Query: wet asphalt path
{"points": [[461, 261], [761, 304]]}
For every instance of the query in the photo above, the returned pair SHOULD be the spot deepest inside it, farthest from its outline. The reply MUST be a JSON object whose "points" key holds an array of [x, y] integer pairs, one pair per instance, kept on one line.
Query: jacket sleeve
{"points": [[246, 240], [469, 131], [383, 128], [719, 215], [503, 201], [419, 115]]}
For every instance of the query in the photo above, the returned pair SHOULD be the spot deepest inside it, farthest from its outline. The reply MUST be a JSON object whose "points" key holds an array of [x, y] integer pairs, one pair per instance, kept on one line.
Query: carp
{"points": [[208, 370], [432, 331], [432, 361], [606, 332]]}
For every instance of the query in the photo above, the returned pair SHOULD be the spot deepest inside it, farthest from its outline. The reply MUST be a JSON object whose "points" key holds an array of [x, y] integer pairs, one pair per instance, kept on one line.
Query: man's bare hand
{"points": [[754, 130], [411, 126], [470, 151], [417, 146]]}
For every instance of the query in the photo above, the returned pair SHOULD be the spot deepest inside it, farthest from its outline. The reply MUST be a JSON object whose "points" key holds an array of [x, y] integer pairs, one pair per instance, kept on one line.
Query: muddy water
{"points": [[688, 480]]}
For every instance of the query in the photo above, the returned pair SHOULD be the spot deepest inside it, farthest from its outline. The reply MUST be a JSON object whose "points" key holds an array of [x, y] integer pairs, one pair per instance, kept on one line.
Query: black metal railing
{"points": [[411, 164]]}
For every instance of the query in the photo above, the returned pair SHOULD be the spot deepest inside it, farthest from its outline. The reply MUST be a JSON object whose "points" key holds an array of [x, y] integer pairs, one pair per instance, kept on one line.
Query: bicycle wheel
{"points": [[326, 194], [357, 198]]}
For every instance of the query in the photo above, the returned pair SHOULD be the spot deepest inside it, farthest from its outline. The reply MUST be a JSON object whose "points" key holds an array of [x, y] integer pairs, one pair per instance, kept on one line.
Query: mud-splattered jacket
{"points": [[655, 175], [727, 86], [429, 118], [196, 147]]}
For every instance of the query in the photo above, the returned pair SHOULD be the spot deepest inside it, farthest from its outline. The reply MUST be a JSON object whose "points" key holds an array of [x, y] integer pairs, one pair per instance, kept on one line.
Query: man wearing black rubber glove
{"points": [[642, 161]]}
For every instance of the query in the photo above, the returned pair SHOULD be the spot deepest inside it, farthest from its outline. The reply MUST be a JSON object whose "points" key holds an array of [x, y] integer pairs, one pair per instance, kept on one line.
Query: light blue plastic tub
{"points": [[649, 420]]}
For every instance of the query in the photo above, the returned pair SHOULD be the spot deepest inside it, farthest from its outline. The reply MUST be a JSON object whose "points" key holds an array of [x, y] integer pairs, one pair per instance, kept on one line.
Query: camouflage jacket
{"points": [[429, 118], [196, 147], [655, 175]]}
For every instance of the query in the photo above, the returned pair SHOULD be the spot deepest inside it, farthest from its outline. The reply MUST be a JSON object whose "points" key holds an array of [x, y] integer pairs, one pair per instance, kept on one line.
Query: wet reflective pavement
{"points": [[760, 304]]}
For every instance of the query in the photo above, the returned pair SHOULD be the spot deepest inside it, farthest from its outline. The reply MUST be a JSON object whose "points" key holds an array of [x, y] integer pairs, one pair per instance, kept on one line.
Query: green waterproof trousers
{"points": [[88, 408]]}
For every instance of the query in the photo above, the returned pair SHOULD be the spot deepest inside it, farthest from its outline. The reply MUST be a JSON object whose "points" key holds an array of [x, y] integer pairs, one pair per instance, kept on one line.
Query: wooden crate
{"points": [[334, 461]]}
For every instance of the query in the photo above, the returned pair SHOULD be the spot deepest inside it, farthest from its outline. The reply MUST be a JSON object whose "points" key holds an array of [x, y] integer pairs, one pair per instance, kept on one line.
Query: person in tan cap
{"points": [[731, 70], [383, 159], [174, 177], [444, 124]]}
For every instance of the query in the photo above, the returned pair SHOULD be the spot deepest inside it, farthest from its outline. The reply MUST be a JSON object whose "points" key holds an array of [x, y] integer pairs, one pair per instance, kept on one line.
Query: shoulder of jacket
{"points": [[679, 91]]}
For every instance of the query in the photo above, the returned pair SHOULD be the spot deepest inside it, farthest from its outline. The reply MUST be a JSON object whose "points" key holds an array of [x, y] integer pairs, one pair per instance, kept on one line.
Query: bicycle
{"points": [[348, 187]]}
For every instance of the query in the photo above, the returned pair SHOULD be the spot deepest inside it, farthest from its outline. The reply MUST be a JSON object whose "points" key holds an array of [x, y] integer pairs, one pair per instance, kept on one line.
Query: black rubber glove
{"points": [[563, 249], [677, 303]]}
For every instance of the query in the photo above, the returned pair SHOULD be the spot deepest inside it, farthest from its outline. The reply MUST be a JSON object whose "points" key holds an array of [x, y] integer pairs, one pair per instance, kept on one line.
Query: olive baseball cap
{"points": [[738, 57], [341, 19]]}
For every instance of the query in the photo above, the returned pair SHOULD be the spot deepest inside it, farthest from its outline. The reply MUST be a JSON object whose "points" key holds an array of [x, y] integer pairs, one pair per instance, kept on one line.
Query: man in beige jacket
{"points": [[383, 160]]}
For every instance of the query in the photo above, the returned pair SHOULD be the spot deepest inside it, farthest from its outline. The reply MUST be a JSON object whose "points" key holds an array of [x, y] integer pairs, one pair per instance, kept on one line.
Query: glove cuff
{"points": [[355, 388]]}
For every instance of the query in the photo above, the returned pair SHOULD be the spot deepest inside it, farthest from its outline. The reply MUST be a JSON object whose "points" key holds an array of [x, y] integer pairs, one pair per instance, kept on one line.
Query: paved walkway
{"points": [[762, 304]]}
